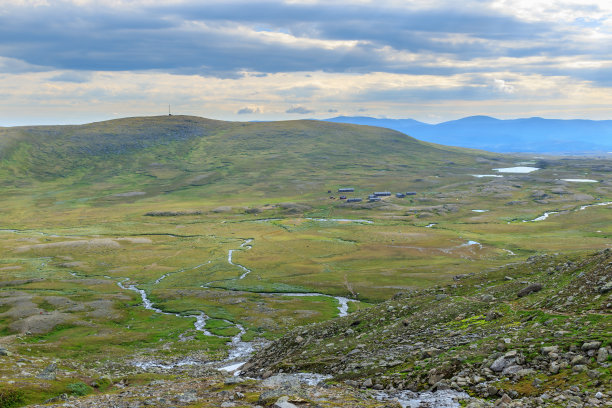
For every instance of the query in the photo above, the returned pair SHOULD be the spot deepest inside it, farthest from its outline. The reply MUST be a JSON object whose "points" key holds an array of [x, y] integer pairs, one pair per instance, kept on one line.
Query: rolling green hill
{"points": [[171, 153]]}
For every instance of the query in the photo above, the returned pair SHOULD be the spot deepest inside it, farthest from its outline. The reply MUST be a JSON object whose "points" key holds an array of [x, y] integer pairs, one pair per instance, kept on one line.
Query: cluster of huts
{"points": [[376, 196]]}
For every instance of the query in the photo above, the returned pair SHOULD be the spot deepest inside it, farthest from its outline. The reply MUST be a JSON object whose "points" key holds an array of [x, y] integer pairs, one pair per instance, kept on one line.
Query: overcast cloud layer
{"points": [[76, 61]]}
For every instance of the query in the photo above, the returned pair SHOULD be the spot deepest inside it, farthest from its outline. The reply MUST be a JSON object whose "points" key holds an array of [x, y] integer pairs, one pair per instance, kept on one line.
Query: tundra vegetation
{"points": [[163, 205]]}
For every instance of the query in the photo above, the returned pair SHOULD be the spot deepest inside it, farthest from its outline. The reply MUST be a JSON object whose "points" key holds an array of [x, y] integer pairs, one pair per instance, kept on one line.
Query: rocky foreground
{"points": [[527, 335], [534, 334]]}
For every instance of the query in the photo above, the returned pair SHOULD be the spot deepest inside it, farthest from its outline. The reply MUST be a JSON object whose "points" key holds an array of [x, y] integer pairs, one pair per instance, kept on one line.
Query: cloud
{"points": [[14, 66], [381, 55], [248, 111], [503, 86], [223, 39], [72, 76], [299, 109]]}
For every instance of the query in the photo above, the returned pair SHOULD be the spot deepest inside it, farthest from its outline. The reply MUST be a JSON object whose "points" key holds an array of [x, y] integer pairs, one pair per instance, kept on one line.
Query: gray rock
{"points": [[502, 362], [591, 345], [602, 355], [593, 374], [187, 397], [492, 315], [282, 385], [606, 288], [233, 380], [367, 383], [430, 352], [524, 372], [554, 368], [579, 359], [283, 402], [49, 373], [533, 288], [550, 349], [4, 352], [511, 370]]}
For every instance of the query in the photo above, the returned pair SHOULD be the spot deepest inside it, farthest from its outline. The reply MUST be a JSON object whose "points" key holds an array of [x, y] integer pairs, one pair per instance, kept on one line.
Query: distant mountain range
{"points": [[530, 135]]}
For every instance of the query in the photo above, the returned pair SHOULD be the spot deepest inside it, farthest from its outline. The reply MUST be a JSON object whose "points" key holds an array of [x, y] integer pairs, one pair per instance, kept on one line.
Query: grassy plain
{"points": [[159, 203]]}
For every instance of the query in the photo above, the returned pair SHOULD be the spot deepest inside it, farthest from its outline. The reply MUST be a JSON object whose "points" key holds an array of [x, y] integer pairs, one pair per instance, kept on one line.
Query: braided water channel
{"points": [[239, 351]]}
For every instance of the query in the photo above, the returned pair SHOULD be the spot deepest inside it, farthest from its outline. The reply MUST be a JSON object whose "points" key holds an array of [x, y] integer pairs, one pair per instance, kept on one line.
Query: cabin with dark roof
{"points": [[354, 200], [382, 193], [346, 190], [400, 195], [374, 199], [411, 193]]}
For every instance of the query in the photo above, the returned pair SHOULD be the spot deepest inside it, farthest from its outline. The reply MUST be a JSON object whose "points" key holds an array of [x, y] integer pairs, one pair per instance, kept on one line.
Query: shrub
{"points": [[79, 388], [10, 397]]}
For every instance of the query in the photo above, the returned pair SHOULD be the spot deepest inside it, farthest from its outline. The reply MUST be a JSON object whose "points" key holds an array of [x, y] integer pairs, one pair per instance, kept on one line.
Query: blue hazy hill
{"points": [[533, 135]]}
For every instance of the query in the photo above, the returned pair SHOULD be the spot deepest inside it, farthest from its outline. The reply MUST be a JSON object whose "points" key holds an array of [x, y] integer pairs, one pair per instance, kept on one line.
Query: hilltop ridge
{"points": [[169, 153]]}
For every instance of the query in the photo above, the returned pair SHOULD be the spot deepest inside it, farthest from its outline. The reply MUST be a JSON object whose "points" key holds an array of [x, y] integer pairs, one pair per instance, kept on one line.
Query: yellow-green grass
{"points": [[226, 178]]}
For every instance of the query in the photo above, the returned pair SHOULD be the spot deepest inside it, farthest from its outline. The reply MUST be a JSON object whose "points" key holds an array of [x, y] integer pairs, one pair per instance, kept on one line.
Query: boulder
{"points": [[501, 363], [283, 402], [554, 368], [606, 287], [511, 370], [492, 315], [550, 349], [591, 345], [49, 373], [579, 359], [602, 355], [533, 288]]}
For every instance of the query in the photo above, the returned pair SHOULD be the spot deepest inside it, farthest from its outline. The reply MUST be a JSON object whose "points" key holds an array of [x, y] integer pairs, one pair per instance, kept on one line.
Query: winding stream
{"points": [[199, 324], [342, 301], [581, 208], [165, 275], [246, 270], [340, 220]]}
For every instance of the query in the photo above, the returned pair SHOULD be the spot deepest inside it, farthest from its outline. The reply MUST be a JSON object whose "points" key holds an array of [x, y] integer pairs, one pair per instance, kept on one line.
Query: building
{"points": [[400, 195], [354, 200], [411, 193], [346, 190], [382, 193], [374, 199]]}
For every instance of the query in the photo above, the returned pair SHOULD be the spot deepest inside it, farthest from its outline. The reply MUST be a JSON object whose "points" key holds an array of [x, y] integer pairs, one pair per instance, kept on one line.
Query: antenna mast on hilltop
{"points": [[169, 113]]}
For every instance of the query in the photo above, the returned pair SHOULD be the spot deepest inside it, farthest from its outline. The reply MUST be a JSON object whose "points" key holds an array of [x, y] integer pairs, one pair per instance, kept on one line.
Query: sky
{"points": [[77, 61]]}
